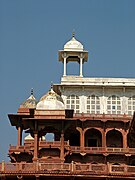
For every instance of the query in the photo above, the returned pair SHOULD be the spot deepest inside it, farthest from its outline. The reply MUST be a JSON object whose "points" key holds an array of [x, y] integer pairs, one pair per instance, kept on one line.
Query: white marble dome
{"points": [[73, 45], [51, 101]]}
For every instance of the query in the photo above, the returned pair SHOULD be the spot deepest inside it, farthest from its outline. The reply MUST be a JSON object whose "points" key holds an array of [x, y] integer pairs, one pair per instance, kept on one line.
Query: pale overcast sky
{"points": [[32, 32]]}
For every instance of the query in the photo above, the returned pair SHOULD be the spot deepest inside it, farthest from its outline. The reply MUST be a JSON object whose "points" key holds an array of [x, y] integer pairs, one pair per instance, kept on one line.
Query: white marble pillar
{"points": [[81, 61], [64, 74]]}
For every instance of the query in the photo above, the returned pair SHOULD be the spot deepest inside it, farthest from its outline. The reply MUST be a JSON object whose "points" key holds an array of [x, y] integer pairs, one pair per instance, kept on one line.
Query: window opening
{"points": [[93, 104], [73, 102], [114, 105], [131, 105]]}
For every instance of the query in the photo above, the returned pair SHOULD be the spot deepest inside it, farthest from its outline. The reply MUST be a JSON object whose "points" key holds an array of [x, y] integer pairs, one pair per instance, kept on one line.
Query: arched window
{"points": [[93, 104], [73, 102], [114, 139], [114, 105], [93, 138], [131, 105]]}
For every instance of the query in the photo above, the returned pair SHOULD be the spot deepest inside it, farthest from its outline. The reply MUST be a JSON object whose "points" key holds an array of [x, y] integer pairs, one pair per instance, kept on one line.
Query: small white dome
{"points": [[29, 137], [73, 45], [51, 101]]}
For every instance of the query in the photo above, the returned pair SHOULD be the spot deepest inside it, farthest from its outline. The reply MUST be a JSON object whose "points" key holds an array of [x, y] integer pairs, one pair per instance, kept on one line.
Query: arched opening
{"points": [[74, 138], [73, 67], [49, 133], [93, 138], [49, 137], [114, 139]]}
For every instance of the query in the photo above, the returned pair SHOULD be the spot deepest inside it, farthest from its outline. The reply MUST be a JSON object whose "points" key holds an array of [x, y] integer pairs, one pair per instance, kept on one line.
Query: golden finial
{"points": [[32, 91]]}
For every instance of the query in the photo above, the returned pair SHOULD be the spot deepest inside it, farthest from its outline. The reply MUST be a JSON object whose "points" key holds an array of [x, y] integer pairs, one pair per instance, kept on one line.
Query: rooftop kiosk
{"points": [[73, 52]]}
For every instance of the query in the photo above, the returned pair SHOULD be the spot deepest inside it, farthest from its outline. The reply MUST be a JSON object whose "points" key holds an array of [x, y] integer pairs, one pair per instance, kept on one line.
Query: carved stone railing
{"points": [[103, 116], [123, 169], [70, 168], [99, 168], [53, 143], [97, 150], [74, 149], [66, 167], [19, 148], [29, 145]]}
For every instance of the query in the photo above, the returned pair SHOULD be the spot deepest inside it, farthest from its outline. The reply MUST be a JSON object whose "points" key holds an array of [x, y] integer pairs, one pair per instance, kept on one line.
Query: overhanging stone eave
{"points": [[73, 53], [15, 118]]}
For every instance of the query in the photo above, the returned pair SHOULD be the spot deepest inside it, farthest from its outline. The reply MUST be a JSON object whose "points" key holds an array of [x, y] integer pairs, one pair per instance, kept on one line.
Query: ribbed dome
{"points": [[30, 102], [73, 45], [51, 100]]}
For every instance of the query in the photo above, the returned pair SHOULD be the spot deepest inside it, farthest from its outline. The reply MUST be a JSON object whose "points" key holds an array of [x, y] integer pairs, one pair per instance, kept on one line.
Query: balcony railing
{"points": [[77, 149], [103, 116], [74, 149], [66, 168]]}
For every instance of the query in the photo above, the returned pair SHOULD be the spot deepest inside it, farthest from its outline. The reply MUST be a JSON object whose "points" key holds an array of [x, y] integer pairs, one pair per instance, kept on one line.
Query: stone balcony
{"points": [[29, 147], [66, 169], [102, 150]]}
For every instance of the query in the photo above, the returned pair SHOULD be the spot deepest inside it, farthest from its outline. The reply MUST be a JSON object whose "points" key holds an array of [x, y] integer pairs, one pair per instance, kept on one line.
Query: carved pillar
{"points": [[103, 138], [82, 140], [81, 131], [62, 147], [19, 143], [124, 134], [35, 145]]}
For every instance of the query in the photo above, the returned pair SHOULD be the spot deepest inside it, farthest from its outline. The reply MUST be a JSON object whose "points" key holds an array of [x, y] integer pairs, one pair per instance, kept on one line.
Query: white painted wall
{"points": [[83, 93]]}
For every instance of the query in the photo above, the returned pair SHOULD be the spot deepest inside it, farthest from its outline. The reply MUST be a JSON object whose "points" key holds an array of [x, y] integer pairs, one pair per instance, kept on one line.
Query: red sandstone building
{"points": [[92, 123]]}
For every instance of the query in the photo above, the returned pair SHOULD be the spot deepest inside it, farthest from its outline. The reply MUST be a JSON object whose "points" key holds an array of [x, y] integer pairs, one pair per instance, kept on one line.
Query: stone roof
{"points": [[30, 102]]}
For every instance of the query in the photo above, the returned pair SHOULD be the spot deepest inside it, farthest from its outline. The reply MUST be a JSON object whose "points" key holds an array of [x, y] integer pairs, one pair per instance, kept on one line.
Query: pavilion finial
{"points": [[73, 33], [32, 91], [51, 85]]}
